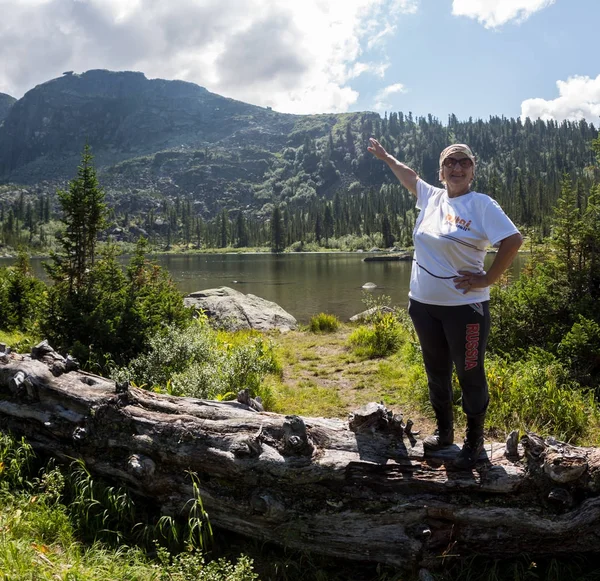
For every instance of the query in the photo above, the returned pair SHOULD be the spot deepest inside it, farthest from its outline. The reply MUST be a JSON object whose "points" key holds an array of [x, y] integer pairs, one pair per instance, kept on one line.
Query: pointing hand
{"points": [[377, 149]]}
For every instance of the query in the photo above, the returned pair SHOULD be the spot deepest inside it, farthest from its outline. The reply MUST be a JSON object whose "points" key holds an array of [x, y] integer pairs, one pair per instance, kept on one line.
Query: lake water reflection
{"points": [[303, 284]]}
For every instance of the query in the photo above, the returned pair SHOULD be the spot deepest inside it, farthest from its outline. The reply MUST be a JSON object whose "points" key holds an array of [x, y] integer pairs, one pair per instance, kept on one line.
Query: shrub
{"points": [[536, 394], [531, 312], [383, 338], [191, 566], [170, 352], [22, 296], [199, 361], [115, 315], [324, 323], [580, 349]]}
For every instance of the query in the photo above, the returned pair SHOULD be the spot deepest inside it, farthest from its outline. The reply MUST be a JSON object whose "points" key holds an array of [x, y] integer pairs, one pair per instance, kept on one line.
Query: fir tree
{"points": [[224, 229], [327, 224], [241, 231], [277, 233], [83, 214], [386, 230]]}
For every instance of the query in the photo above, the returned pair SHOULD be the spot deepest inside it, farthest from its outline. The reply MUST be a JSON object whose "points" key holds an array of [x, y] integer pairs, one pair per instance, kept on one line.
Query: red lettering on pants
{"points": [[472, 346]]}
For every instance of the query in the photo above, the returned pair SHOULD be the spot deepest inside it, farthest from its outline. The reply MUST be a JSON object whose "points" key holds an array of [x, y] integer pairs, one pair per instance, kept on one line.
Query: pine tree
{"points": [[318, 228], [200, 227], [224, 229], [350, 147], [83, 214], [277, 233], [386, 230], [241, 231], [566, 226], [327, 224]]}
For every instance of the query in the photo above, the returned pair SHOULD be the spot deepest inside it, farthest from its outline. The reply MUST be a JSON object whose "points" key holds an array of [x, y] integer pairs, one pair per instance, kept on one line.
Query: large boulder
{"points": [[234, 310]]}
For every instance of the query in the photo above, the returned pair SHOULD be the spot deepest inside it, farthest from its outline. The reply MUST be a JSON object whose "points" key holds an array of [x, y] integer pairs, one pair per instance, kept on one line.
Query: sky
{"points": [[471, 58]]}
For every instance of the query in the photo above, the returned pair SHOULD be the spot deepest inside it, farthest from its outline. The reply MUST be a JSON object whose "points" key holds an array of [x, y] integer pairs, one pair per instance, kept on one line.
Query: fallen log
{"points": [[359, 489]]}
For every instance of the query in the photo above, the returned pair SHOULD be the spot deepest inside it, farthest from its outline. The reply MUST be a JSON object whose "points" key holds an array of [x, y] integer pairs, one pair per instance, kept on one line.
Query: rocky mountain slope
{"points": [[152, 136], [120, 115]]}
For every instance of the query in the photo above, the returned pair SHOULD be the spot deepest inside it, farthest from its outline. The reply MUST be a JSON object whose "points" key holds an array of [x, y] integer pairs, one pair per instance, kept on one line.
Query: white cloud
{"points": [[405, 6], [579, 98], [381, 98], [391, 89], [494, 13], [297, 57]]}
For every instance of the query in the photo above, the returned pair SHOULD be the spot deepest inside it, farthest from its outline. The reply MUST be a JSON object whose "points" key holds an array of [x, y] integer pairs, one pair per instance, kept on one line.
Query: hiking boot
{"points": [[444, 435], [468, 456], [473, 446], [438, 440]]}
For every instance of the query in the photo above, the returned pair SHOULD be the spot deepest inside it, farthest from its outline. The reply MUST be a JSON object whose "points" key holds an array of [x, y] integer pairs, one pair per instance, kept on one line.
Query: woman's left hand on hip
{"points": [[467, 281]]}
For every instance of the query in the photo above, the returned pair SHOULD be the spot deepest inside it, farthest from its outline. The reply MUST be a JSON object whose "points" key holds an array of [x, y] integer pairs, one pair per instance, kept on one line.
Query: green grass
{"points": [[523, 568], [307, 399], [323, 376], [52, 530], [536, 395], [324, 323], [19, 341]]}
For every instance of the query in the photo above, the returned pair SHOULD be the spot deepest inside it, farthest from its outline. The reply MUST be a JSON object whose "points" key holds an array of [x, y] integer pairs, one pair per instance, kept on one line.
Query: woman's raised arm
{"points": [[407, 177]]}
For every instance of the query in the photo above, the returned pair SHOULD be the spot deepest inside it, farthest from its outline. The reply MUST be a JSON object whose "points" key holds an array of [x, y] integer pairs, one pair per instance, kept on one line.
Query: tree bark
{"points": [[359, 489]]}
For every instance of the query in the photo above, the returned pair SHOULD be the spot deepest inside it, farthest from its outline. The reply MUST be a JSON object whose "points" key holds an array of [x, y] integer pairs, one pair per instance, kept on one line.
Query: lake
{"points": [[303, 284]]}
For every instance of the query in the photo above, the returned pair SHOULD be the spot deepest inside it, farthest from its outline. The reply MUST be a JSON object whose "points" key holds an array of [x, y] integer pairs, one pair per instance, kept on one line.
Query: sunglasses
{"points": [[450, 162]]}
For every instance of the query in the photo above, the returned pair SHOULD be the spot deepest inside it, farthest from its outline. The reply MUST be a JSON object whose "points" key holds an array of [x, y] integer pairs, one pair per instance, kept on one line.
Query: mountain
{"points": [[153, 135], [6, 102], [171, 146], [120, 115]]}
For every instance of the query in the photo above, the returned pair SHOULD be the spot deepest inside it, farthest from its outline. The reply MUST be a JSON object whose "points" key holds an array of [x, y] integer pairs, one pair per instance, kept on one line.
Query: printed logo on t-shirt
{"points": [[459, 222]]}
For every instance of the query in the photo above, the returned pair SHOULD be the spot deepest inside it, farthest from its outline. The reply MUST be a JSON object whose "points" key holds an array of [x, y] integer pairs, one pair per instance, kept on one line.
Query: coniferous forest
{"points": [[326, 190]]}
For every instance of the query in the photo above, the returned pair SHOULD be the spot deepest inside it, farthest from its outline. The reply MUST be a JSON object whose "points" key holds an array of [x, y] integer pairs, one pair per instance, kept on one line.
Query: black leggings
{"points": [[455, 334]]}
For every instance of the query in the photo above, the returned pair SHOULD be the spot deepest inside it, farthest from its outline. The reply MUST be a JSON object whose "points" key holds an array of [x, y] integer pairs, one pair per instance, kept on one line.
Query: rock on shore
{"points": [[234, 310]]}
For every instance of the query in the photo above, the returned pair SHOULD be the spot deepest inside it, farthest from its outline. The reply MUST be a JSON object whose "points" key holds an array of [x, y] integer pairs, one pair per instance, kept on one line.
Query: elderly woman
{"points": [[449, 288]]}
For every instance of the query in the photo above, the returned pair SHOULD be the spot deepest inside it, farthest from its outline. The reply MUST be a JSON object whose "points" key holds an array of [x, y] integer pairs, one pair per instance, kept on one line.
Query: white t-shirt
{"points": [[452, 234]]}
